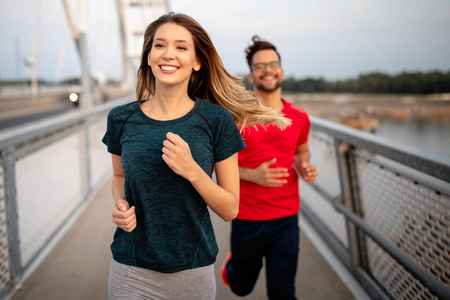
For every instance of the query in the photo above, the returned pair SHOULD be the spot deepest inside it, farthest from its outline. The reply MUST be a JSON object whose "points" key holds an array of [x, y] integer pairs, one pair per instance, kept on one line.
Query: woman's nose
{"points": [[168, 54]]}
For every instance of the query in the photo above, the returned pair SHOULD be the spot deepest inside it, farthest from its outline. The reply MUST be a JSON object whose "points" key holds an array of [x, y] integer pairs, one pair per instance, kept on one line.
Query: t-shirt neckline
{"points": [[285, 105], [166, 122]]}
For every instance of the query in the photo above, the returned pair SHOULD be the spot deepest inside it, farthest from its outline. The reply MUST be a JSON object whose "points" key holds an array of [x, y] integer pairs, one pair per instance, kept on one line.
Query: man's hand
{"points": [[308, 172], [266, 176], [124, 216]]}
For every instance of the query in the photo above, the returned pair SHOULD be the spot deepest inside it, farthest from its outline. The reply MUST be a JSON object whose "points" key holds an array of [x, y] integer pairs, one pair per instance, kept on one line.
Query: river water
{"points": [[431, 136]]}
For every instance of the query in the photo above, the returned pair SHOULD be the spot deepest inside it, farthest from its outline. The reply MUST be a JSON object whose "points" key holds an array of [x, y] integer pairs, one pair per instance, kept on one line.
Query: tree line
{"points": [[372, 83]]}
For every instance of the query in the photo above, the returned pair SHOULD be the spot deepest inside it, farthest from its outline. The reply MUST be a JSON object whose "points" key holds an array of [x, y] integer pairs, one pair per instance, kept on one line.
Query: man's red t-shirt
{"points": [[266, 203]]}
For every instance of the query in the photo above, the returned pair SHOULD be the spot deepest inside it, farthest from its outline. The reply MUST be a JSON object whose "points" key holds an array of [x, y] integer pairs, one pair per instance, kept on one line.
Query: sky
{"points": [[333, 39]]}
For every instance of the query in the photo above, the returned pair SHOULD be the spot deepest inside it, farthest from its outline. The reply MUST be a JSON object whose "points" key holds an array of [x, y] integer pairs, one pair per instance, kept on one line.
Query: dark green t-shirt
{"points": [[174, 230]]}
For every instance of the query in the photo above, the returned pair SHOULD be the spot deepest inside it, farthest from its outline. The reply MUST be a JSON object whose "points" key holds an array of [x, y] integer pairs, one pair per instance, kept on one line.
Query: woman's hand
{"points": [[178, 157], [222, 197], [124, 216]]}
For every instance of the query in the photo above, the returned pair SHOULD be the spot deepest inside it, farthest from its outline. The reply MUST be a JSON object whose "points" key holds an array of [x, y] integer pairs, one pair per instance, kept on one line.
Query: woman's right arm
{"points": [[123, 215]]}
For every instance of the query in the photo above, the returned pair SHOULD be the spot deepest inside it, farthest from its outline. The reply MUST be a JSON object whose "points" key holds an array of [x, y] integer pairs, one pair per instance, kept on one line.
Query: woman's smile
{"points": [[169, 68]]}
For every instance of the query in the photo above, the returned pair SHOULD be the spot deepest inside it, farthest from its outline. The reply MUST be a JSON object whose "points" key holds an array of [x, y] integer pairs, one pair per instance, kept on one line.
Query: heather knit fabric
{"points": [[174, 230]]}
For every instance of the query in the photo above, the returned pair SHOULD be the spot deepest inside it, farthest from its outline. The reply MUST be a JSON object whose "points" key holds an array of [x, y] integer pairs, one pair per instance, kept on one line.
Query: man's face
{"points": [[267, 74]]}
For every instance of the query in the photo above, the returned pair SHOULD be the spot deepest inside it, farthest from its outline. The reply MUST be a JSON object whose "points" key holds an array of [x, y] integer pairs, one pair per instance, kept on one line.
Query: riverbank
{"points": [[363, 111]]}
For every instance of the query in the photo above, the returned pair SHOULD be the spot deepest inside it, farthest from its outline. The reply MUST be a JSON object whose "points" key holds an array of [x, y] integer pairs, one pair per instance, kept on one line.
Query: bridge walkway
{"points": [[77, 267]]}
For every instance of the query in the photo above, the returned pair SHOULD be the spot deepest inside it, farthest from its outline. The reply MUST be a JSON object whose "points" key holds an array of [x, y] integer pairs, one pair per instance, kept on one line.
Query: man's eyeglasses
{"points": [[262, 66]]}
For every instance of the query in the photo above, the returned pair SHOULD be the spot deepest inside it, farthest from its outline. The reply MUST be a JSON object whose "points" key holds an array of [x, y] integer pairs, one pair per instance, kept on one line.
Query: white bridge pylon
{"points": [[134, 17]]}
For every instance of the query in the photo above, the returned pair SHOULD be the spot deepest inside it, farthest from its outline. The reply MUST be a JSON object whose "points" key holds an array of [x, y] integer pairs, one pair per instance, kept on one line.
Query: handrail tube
{"points": [[25, 133], [435, 287], [436, 165], [325, 194], [413, 175], [370, 285]]}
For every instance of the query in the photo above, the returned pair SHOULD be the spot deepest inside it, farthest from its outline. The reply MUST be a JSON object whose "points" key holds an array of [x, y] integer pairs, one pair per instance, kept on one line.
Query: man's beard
{"points": [[262, 87]]}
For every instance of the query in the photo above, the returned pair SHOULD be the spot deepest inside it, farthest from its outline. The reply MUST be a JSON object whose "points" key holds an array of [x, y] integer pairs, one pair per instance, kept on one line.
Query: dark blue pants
{"points": [[276, 240]]}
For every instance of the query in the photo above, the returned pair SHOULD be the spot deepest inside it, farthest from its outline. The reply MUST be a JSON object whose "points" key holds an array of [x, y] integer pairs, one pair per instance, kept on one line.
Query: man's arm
{"points": [[302, 158], [264, 175]]}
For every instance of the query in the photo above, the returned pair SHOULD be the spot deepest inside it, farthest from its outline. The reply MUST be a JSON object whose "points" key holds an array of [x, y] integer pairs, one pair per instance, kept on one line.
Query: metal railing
{"points": [[383, 209], [48, 172]]}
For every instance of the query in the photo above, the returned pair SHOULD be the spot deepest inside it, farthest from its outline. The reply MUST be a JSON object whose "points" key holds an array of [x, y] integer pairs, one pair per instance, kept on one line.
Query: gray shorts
{"points": [[128, 282]]}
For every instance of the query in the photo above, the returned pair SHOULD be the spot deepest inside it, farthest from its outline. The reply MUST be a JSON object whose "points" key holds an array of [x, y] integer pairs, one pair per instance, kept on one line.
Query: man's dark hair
{"points": [[258, 44]]}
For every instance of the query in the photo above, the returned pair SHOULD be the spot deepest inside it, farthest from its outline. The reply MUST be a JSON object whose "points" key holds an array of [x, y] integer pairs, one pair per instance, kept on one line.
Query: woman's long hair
{"points": [[212, 82]]}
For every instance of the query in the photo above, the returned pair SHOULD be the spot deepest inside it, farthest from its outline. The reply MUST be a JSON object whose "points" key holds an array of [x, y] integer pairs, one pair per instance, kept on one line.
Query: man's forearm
{"points": [[245, 173], [301, 157]]}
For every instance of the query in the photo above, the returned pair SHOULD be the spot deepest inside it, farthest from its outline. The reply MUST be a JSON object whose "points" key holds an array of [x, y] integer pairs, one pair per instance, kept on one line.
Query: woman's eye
{"points": [[182, 48], [158, 46]]}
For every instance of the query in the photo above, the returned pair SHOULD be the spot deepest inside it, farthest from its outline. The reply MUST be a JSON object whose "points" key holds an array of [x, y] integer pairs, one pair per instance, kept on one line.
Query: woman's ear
{"points": [[148, 58], [197, 65]]}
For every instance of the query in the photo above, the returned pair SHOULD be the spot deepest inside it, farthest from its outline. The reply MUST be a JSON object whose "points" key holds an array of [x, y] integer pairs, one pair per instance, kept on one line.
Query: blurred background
{"points": [[369, 64], [379, 68]]}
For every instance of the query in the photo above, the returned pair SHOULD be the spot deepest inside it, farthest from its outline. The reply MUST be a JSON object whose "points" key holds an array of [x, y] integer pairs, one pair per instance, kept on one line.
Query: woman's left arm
{"points": [[223, 197]]}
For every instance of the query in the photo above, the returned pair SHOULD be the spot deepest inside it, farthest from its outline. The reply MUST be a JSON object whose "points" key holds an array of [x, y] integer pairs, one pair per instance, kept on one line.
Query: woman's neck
{"points": [[168, 104]]}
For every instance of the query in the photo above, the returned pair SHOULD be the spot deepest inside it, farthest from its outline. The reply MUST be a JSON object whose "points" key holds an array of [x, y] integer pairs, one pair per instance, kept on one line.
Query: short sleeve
{"points": [[301, 119], [304, 130], [112, 136], [227, 138]]}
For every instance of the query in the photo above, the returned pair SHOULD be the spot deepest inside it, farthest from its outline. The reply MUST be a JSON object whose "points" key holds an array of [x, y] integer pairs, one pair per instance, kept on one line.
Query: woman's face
{"points": [[172, 55]]}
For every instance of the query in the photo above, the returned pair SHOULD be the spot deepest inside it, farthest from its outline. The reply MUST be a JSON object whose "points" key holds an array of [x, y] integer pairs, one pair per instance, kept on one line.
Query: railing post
{"points": [[15, 263], [351, 199], [87, 153]]}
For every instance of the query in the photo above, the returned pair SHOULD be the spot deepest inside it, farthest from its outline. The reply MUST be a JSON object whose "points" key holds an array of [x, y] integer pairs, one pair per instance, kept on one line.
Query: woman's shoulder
{"points": [[216, 116], [210, 109], [123, 111]]}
